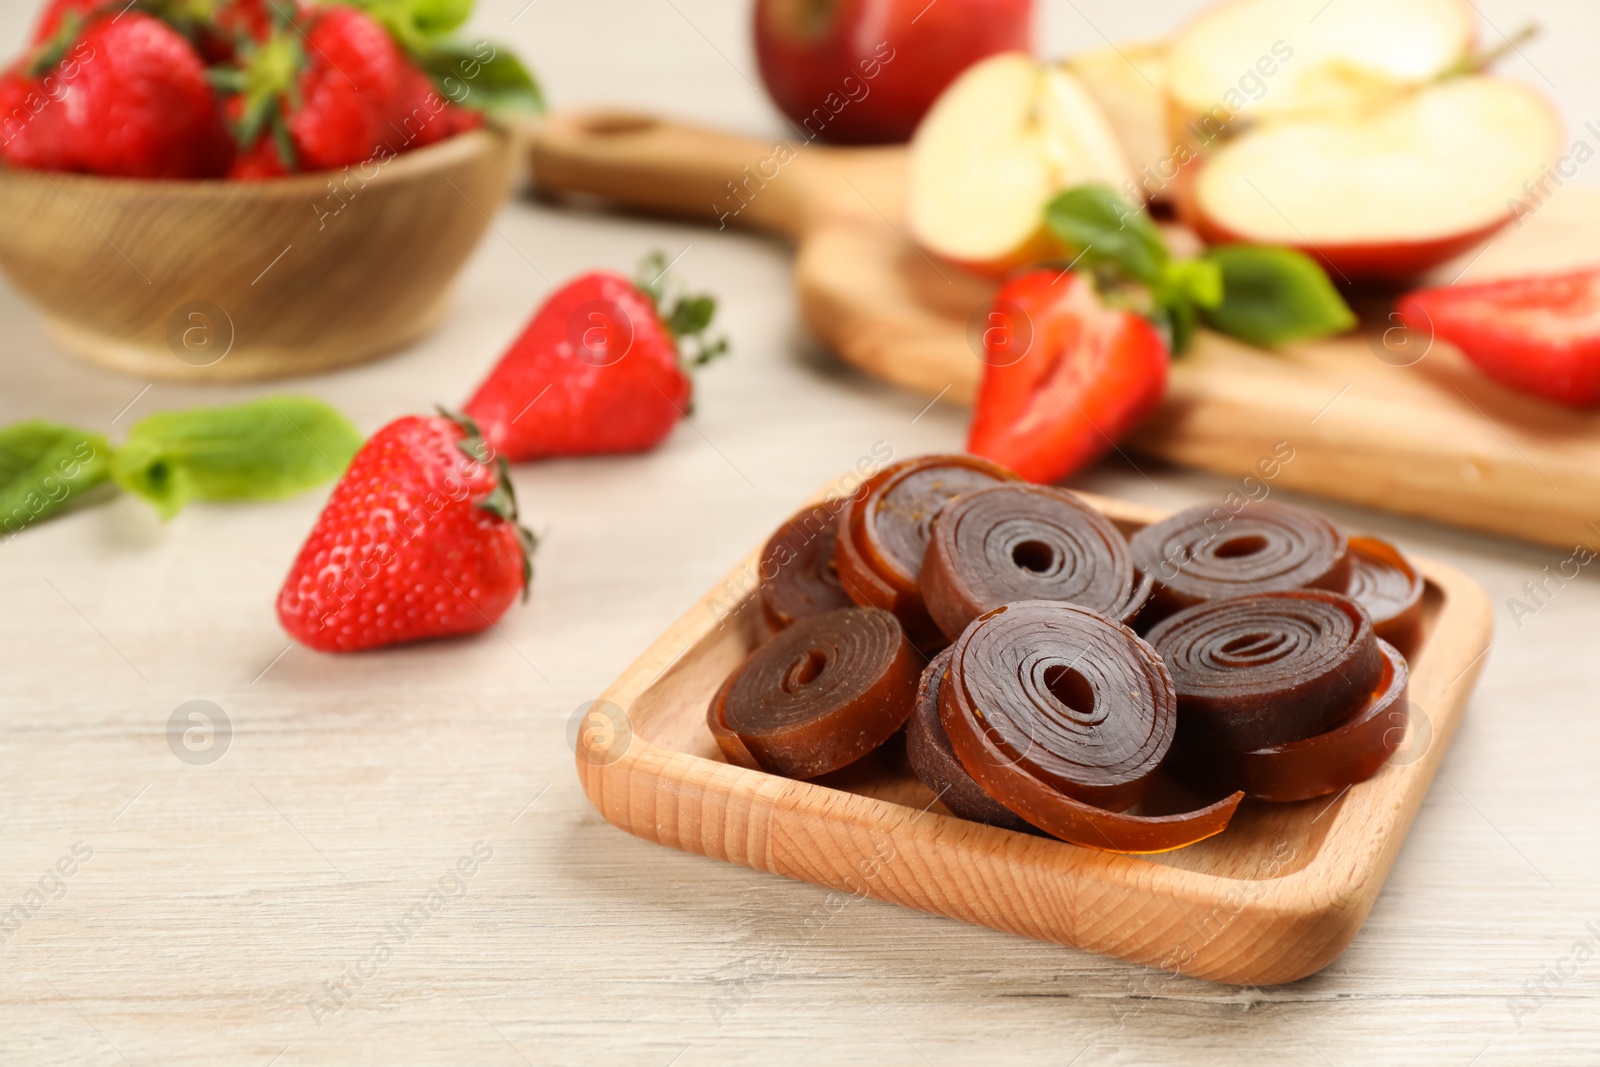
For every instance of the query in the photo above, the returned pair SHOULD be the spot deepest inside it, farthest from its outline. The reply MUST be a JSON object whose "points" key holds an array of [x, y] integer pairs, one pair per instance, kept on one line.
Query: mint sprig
{"points": [[44, 467], [1266, 296], [264, 450], [1275, 296]]}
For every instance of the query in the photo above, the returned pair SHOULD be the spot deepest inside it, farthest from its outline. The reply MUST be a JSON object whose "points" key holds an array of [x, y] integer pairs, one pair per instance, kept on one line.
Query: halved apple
{"points": [[1382, 194], [1005, 137], [1275, 58], [1129, 83]]}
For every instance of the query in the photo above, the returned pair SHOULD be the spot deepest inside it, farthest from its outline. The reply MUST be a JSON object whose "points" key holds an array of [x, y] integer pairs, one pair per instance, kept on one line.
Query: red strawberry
{"points": [[55, 13], [128, 98], [425, 117], [323, 93], [1537, 335], [420, 539], [598, 369], [215, 26], [1085, 375]]}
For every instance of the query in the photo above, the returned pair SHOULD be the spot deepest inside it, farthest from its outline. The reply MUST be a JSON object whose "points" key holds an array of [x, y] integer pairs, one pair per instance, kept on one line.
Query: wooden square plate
{"points": [[1275, 897]]}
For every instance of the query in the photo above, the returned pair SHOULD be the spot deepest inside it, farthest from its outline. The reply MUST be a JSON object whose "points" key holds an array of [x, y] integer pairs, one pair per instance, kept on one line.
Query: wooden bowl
{"points": [[230, 281]]}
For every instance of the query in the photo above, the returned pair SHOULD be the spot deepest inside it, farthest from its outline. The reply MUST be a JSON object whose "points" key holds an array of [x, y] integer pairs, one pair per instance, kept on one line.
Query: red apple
{"points": [[865, 71]]}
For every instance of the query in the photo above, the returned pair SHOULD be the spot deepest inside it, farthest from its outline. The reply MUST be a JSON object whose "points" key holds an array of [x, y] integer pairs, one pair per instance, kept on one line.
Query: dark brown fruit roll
{"points": [[818, 696], [1384, 582], [935, 764], [884, 530], [1315, 766], [1203, 554], [796, 570], [1063, 715], [1263, 670], [1026, 542]]}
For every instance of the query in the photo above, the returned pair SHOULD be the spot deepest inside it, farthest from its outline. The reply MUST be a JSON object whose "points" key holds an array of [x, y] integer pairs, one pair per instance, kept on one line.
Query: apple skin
{"points": [[865, 71]]}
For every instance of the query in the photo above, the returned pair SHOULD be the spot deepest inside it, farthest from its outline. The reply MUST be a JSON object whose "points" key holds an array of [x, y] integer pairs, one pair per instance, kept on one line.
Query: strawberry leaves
{"points": [[502, 500], [268, 83], [687, 317], [1265, 296]]}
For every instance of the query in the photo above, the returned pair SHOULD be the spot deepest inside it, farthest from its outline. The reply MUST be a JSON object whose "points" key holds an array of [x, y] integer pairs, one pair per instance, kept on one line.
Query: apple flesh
{"points": [[1005, 138], [866, 71], [1385, 194], [1129, 84], [1278, 58]]}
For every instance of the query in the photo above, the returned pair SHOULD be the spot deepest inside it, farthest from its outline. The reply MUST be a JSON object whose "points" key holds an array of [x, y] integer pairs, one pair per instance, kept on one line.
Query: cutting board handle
{"points": [[642, 162]]}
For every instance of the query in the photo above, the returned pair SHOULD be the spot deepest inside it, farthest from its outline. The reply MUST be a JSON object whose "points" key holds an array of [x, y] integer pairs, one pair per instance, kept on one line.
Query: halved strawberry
{"points": [[1065, 376], [1537, 335]]}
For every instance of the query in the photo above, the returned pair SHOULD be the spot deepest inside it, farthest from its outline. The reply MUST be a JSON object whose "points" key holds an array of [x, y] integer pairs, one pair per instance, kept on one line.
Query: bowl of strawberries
{"points": [[249, 189]]}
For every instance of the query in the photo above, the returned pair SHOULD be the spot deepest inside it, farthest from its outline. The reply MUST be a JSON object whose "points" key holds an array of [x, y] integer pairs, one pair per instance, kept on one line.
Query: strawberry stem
{"points": [[688, 317], [268, 81], [54, 49]]}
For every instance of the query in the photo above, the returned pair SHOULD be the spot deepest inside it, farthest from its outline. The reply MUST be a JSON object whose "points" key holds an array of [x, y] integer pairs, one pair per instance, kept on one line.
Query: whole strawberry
{"points": [[599, 368], [420, 539], [215, 27], [126, 97], [330, 88]]}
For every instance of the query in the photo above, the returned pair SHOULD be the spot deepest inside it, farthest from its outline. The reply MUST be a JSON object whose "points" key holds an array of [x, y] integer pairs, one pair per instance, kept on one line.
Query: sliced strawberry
{"points": [[1536, 335], [420, 539], [1065, 376], [598, 369]]}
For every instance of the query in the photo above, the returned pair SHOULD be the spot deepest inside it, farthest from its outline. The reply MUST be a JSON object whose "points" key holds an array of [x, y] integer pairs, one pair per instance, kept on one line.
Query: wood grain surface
{"points": [[1402, 421], [1276, 896], [220, 899]]}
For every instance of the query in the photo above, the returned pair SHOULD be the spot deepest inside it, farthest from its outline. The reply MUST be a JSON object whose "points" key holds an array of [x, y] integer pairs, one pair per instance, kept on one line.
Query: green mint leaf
{"points": [[1272, 296], [482, 76], [1101, 228], [1186, 286], [416, 24], [43, 466], [1178, 319], [266, 449], [1199, 280]]}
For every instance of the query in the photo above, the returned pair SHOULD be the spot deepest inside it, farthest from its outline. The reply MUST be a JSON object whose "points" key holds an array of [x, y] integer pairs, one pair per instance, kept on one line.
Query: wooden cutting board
{"points": [[1431, 437]]}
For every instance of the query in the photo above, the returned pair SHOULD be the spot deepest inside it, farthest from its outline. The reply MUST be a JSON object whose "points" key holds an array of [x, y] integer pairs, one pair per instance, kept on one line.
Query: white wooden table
{"points": [[234, 912]]}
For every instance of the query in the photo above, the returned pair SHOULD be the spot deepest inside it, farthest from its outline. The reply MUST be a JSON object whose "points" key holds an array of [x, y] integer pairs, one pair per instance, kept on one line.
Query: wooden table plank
{"points": [[219, 900]]}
